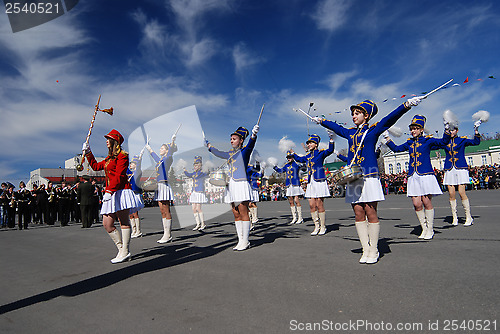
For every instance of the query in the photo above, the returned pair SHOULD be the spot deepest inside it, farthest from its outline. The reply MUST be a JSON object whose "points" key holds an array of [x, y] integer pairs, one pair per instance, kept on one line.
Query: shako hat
{"points": [[368, 107], [314, 138], [114, 134], [241, 131], [418, 120]]}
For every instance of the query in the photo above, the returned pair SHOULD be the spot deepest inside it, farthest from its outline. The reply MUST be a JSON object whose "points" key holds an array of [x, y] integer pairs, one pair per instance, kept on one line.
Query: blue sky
{"points": [[227, 58]]}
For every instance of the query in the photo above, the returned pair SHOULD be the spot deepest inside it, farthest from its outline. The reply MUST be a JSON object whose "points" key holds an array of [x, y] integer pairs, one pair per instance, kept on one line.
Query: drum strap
{"points": [[359, 146]]}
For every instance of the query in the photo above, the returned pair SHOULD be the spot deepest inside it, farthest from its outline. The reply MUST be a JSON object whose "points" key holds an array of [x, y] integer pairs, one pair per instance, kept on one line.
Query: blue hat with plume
{"points": [[368, 107], [418, 120], [241, 131], [314, 138], [197, 160]]}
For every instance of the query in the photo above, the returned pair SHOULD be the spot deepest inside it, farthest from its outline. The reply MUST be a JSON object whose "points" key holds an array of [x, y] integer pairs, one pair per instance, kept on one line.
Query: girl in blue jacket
{"points": [[317, 188], [457, 171], [365, 193], [422, 183], [197, 197]]}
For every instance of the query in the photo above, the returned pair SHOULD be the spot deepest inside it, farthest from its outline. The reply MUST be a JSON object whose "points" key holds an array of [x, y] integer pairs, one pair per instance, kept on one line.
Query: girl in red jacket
{"points": [[118, 197]]}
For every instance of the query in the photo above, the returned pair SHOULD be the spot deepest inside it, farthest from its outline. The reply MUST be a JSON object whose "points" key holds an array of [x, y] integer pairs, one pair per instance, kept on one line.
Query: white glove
{"points": [[255, 130], [331, 134], [86, 147], [414, 101], [207, 143], [477, 124], [106, 197], [446, 126], [173, 138], [385, 134], [317, 119], [148, 148]]}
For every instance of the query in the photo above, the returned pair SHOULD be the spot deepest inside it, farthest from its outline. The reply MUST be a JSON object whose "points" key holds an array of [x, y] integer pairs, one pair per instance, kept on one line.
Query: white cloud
{"points": [[244, 59], [330, 15]]}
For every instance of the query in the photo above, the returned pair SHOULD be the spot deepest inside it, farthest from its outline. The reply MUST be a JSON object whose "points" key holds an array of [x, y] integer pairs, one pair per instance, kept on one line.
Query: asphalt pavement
{"points": [[60, 280]]}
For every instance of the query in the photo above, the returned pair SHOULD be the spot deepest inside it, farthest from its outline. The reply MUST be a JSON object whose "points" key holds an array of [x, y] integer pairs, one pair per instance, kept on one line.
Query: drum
{"points": [[347, 174], [219, 178], [149, 185]]}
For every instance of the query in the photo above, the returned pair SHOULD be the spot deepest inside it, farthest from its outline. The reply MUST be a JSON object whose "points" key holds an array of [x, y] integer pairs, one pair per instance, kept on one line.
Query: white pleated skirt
{"points": [[197, 197], [139, 198], [364, 190], [294, 191], [121, 200], [255, 196], [455, 177], [164, 192], [420, 185], [237, 192], [317, 189]]}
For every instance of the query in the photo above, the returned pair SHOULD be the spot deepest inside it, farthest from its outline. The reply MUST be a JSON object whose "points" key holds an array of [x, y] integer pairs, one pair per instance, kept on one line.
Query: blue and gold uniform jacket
{"points": [[420, 152], [455, 151], [314, 161], [237, 160], [254, 176], [291, 170], [163, 165], [367, 157], [134, 177], [198, 180]]}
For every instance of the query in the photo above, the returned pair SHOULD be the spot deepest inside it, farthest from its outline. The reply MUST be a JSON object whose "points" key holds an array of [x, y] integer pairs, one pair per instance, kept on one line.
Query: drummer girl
{"points": [[317, 187], [239, 192], [254, 175], [365, 193], [134, 176], [422, 183], [456, 171], [118, 197], [197, 196], [164, 194], [293, 188]]}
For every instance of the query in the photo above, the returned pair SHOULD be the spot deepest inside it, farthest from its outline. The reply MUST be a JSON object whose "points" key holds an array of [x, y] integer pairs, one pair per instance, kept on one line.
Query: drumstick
{"points": [[302, 111], [435, 90], [260, 115], [175, 133]]}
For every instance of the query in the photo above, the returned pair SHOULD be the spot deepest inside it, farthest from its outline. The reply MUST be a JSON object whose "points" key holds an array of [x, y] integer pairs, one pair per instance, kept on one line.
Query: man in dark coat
{"points": [[85, 195]]}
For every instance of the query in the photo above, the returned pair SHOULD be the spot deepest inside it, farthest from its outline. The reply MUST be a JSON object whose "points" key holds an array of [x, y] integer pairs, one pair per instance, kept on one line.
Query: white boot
{"points": [[167, 227], [429, 217], [202, 221], [138, 232], [373, 232], [300, 220], [322, 223], [245, 228], [117, 239], [468, 218], [421, 219], [239, 232], [294, 215], [124, 254], [132, 226], [453, 205], [315, 218], [255, 218], [197, 220], [362, 229]]}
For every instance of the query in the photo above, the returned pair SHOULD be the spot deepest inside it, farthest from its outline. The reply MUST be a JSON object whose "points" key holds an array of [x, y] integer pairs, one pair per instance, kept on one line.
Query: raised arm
{"points": [[397, 148]]}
